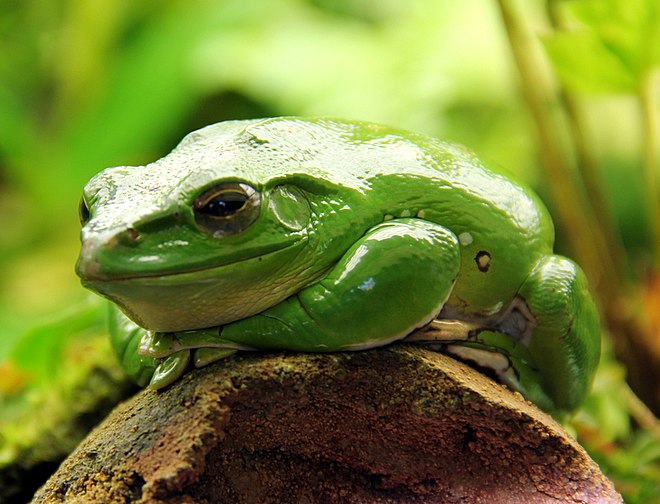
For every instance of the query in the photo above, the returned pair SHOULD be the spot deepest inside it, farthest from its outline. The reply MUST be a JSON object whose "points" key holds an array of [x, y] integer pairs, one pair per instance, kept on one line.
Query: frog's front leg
{"points": [[393, 280], [157, 368], [125, 337], [565, 344]]}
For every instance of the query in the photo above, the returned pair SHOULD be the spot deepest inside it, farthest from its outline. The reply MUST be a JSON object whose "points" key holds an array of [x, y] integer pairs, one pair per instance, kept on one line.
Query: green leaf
{"points": [[612, 47], [585, 65], [629, 28]]}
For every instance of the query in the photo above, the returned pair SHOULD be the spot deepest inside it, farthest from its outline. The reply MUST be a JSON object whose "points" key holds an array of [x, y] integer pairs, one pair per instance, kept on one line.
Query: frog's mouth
{"points": [[149, 267], [205, 297]]}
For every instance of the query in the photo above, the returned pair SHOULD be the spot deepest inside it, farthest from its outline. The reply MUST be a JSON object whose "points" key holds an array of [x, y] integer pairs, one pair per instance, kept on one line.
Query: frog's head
{"points": [[216, 231]]}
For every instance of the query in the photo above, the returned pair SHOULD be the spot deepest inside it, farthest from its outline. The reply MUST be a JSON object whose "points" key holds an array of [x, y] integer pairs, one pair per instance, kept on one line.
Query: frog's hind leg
{"points": [[565, 342]]}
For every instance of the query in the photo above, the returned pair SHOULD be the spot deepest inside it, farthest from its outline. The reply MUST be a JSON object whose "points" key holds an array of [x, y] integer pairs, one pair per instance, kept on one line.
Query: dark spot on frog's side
{"points": [[483, 260]]}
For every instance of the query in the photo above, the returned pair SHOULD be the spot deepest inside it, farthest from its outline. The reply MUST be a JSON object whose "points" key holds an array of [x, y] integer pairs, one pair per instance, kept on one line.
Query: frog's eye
{"points": [[83, 211], [227, 208]]}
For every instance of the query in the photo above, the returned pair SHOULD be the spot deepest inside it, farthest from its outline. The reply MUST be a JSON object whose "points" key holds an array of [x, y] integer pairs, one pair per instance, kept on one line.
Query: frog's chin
{"points": [[206, 297]]}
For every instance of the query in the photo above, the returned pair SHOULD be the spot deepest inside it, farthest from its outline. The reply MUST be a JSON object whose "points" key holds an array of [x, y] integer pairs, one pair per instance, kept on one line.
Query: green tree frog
{"points": [[320, 235]]}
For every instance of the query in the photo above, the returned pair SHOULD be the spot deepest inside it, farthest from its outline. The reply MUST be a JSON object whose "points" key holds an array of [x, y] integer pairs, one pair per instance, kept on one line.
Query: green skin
{"points": [[343, 236]]}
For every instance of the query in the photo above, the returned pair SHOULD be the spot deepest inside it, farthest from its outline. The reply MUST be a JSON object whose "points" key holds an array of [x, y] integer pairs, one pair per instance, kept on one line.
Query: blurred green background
{"points": [[563, 93], [90, 84]]}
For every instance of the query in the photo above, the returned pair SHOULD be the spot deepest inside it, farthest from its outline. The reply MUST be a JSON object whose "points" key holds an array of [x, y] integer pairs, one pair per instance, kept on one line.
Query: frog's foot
{"points": [[174, 352], [491, 362], [160, 345], [461, 339], [442, 331], [501, 356], [170, 369], [205, 356]]}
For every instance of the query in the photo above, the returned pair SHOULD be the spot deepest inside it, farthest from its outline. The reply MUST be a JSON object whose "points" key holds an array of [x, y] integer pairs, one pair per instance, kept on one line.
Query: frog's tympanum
{"points": [[320, 235]]}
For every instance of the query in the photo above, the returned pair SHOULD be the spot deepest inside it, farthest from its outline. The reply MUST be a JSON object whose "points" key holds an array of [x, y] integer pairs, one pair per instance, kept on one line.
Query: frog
{"points": [[325, 235]]}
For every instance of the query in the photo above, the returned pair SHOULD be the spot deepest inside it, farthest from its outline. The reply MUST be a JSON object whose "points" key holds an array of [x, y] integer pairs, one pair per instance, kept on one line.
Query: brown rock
{"points": [[396, 424]]}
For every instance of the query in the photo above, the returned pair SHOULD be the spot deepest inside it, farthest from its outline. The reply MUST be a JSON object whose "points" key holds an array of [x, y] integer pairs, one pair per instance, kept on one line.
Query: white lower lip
{"points": [[158, 276]]}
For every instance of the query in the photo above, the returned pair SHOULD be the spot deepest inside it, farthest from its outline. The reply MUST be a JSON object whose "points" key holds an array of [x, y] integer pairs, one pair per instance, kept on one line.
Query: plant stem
{"points": [[574, 214], [641, 413], [629, 329], [588, 165], [650, 104]]}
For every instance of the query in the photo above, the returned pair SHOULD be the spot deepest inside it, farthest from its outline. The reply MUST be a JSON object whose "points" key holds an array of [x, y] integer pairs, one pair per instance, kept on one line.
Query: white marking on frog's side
{"points": [[406, 213], [367, 284], [387, 217], [495, 309], [174, 243], [465, 239], [150, 258], [421, 214]]}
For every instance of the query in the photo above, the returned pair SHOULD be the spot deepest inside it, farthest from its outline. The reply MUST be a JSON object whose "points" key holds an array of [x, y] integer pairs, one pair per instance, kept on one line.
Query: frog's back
{"points": [[351, 154], [384, 163], [502, 226]]}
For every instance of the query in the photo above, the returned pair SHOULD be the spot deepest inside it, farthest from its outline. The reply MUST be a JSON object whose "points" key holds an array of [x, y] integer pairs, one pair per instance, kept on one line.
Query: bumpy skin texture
{"points": [[336, 235]]}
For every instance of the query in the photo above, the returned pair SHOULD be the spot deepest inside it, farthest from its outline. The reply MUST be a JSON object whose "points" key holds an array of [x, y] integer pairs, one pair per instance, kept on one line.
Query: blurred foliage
{"points": [[86, 84], [615, 49]]}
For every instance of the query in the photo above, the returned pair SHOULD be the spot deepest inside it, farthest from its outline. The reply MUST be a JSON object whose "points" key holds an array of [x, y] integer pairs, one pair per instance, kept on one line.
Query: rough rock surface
{"points": [[395, 424]]}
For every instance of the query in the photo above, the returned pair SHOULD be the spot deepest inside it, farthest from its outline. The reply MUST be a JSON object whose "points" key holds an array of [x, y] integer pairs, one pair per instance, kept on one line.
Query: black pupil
{"points": [[225, 204]]}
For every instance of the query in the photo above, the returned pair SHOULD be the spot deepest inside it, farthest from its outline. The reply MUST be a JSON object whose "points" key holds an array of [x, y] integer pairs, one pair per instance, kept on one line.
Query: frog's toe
{"points": [[158, 345], [170, 369], [205, 356]]}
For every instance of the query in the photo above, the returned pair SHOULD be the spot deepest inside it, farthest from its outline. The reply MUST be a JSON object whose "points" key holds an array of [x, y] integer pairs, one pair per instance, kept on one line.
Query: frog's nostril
{"points": [[98, 248], [130, 236]]}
